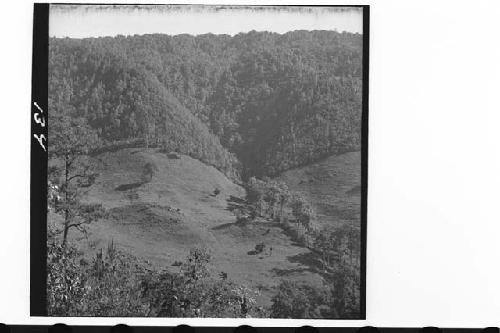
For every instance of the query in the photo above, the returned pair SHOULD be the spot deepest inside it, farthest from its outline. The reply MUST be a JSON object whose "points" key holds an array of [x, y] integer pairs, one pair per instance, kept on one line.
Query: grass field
{"points": [[160, 220], [333, 186]]}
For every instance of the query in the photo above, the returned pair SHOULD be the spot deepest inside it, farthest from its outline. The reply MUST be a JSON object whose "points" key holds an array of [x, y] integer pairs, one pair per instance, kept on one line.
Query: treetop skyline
{"points": [[81, 21]]}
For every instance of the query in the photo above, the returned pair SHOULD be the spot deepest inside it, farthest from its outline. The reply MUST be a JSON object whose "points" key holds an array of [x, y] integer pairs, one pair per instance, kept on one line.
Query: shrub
{"points": [[195, 267], [105, 287], [148, 171], [194, 293], [295, 300], [65, 286], [259, 248], [241, 218]]}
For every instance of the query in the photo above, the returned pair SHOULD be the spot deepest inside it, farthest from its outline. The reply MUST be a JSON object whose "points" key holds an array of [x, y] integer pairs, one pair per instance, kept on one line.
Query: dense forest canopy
{"points": [[254, 104]]}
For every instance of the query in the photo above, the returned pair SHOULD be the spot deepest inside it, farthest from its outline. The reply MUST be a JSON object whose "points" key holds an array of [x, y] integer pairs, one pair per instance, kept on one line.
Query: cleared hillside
{"points": [[333, 186], [161, 220]]}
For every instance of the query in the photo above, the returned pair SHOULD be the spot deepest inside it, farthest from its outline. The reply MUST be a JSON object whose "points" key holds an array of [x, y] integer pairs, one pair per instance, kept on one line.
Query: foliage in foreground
{"points": [[114, 284], [106, 286]]}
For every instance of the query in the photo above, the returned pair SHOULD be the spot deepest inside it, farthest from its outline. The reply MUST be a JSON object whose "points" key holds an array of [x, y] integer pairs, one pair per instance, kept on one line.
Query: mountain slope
{"points": [[161, 220], [122, 100], [276, 101], [333, 186]]}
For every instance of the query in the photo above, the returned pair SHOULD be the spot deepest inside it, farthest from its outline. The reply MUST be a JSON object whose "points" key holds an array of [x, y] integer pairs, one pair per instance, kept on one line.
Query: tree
{"points": [[255, 196], [345, 292], [148, 171], [323, 243], [277, 196], [295, 301], [303, 211], [71, 140], [195, 268]]}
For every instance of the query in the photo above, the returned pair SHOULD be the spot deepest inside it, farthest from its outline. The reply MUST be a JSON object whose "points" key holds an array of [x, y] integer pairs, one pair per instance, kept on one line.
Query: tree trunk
{"points": [[66, 196]]}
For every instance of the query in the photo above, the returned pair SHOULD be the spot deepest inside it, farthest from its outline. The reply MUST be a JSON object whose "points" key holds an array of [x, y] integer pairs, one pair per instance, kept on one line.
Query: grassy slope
{"points": [[162, 220], [333, 185]]}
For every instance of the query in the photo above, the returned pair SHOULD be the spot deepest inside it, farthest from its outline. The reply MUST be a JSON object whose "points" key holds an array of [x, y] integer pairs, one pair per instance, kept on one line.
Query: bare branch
{"points": [[74, 225], [76, 176]]}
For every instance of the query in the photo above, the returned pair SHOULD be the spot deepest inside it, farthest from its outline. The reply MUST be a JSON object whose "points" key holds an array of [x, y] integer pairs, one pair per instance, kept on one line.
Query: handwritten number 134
{"points": [[39, 119]]}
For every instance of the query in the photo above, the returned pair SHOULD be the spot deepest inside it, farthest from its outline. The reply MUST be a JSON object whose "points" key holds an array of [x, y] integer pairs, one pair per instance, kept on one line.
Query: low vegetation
{"points": [[116, 284], [338, 251]]}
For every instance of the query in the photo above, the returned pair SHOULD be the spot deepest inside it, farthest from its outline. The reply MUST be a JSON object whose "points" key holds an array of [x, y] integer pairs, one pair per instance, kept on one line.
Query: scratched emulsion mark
{"points": [[80, 21], [40, 120]]}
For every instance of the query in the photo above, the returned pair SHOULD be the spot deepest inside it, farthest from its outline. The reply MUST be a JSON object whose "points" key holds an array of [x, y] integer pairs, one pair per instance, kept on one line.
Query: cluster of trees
{"points": [[107, 285], [267, 198], [296, 300], [194, 292], [272, 199], [337, 250], [115, 284], [275, 101]]}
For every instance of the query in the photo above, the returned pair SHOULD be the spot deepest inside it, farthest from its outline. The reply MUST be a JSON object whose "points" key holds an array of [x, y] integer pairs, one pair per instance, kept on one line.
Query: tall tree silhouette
{"points": [[71, 140]]}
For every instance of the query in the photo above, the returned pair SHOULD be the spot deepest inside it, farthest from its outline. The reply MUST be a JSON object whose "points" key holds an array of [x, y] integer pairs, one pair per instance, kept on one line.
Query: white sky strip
{"points": [[79, 21]]}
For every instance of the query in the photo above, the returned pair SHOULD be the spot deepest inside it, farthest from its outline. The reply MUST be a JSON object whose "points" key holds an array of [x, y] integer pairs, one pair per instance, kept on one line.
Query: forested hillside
{"points": [[254, 104], [141, 224]]}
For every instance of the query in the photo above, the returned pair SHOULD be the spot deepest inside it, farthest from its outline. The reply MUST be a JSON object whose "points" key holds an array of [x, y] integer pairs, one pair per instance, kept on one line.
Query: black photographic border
{"points": [[38, 161]]}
